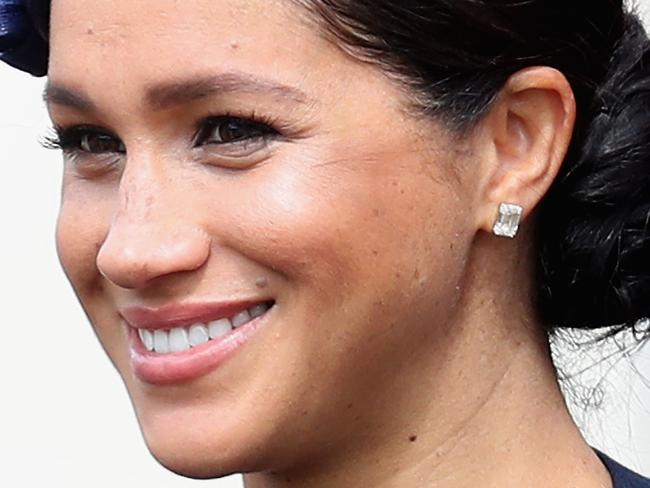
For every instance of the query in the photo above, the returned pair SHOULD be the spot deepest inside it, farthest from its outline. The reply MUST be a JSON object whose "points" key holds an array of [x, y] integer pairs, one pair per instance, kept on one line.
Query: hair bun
{"points": [[595, 223]]}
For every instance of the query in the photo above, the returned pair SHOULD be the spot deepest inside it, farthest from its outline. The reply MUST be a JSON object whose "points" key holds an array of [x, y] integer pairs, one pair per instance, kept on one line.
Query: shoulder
{"points": [[622, 476]]}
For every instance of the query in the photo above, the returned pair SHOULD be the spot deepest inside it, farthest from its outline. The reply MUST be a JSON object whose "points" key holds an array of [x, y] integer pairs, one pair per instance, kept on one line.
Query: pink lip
{"points": [[182, 315], [184, 366]]}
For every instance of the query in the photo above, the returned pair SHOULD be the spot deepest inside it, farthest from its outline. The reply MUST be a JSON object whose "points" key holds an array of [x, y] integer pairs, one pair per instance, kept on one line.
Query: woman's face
{"points": [[223, 157]]}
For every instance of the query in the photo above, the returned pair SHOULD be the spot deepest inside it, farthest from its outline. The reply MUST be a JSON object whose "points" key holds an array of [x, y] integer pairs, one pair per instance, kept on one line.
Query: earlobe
{"points": [[529, 129]]}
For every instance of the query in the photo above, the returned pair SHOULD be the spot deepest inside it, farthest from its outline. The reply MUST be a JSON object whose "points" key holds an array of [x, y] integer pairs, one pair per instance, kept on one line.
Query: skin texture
{"points": [[403, 349]]}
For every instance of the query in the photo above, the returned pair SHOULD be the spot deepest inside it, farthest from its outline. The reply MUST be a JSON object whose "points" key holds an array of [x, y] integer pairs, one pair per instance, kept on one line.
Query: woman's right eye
{"points": [[97, 143], [90, 151], [89, 140]]}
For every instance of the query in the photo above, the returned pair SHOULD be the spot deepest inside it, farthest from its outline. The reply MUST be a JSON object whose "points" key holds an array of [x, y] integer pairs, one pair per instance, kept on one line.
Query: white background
{"points": [[65, 418]]}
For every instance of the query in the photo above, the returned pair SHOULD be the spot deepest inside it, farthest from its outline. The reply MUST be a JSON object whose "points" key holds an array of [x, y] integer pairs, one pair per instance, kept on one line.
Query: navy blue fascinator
{"points": [[24, 26]]}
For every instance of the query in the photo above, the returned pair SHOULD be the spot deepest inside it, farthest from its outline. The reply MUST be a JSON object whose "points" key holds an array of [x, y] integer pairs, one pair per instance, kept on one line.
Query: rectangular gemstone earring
{"points": [[507, 222]]}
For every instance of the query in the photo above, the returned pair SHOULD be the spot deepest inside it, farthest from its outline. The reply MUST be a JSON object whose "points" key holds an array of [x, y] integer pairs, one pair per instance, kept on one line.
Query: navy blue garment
{"points": [[623, 477], [23, 35]]}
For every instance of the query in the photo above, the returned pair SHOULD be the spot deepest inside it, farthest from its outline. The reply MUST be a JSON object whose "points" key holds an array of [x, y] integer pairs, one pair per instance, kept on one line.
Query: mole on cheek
{"points": [[261, 282]]}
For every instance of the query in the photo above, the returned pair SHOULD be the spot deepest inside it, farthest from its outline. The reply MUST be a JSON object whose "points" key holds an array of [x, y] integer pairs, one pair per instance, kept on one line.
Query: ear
{"points": [[523, 141]]}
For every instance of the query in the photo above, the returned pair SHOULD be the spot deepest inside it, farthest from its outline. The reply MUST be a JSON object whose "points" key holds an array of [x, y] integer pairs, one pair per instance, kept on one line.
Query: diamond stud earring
{"points": [[507, 222]]}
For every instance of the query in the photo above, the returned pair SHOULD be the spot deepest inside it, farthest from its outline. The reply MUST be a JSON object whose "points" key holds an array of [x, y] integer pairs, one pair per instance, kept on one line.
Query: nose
{"points": [[152, 233], [134, 255]]}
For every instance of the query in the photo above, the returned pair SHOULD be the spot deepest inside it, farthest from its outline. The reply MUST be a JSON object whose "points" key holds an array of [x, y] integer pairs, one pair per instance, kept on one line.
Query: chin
{"points": [[201, 469], [183, 444], [196, 458]]}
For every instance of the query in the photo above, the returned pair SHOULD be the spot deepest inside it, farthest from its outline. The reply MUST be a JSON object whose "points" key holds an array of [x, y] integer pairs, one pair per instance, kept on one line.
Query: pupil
{"points": [[231, 131], [98, 143]]}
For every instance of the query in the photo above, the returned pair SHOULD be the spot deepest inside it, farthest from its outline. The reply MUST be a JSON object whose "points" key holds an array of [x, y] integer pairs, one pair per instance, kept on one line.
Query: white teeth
{"points": [[218, 328], [161, 341], [146, 336], [257, 310], [198, 335], [178, 340], [241, 318], [183, 338]]}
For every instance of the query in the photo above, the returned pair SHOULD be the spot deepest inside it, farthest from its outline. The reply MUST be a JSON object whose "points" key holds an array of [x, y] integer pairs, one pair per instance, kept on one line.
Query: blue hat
{"points": [[24, 34]]}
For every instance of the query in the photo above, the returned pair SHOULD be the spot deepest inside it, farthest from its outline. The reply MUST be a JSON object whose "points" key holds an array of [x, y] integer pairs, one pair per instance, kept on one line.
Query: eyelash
{"points": [[69, 139]]}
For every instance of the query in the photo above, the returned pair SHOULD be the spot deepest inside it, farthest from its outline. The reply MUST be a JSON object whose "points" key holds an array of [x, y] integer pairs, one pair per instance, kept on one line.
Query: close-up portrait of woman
{"points": [[330, 243]]}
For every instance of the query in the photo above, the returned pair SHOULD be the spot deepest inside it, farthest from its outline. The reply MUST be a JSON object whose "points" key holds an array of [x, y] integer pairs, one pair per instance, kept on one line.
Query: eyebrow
{"points": [[167, 94], [68, 97]]}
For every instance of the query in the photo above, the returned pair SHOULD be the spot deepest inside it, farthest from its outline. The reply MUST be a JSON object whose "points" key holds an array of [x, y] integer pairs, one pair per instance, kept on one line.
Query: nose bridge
{"points": [[136, 194], [151, 233], [143, 193]]}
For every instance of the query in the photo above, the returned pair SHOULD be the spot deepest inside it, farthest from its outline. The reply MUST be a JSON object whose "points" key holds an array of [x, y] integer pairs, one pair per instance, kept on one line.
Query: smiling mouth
{"points": [[179, 339], [179, 343]]}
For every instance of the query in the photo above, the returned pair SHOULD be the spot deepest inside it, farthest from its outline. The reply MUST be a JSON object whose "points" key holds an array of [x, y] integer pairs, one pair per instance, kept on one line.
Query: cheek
{"points": [[81, 228], [363, 245], [297, 221], [343, 218]]}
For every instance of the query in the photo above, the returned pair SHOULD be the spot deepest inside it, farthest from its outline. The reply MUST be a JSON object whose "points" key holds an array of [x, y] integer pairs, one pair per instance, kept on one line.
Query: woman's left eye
{"points": [[224, 130]]}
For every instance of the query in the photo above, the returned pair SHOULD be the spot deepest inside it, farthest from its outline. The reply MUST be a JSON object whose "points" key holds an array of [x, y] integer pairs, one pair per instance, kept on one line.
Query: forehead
{"points": [[137, 40]]}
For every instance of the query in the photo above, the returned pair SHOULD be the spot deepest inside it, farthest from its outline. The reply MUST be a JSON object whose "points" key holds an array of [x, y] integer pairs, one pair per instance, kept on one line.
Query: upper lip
{"points": [[183, 314]]}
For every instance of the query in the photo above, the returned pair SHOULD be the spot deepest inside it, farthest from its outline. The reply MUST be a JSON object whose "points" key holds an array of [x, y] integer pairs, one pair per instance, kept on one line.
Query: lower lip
{"points": [[184, 366]]}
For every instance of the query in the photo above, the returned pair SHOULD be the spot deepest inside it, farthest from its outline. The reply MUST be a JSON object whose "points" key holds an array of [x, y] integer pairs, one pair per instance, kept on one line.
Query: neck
{"points": [[488, 411]]}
